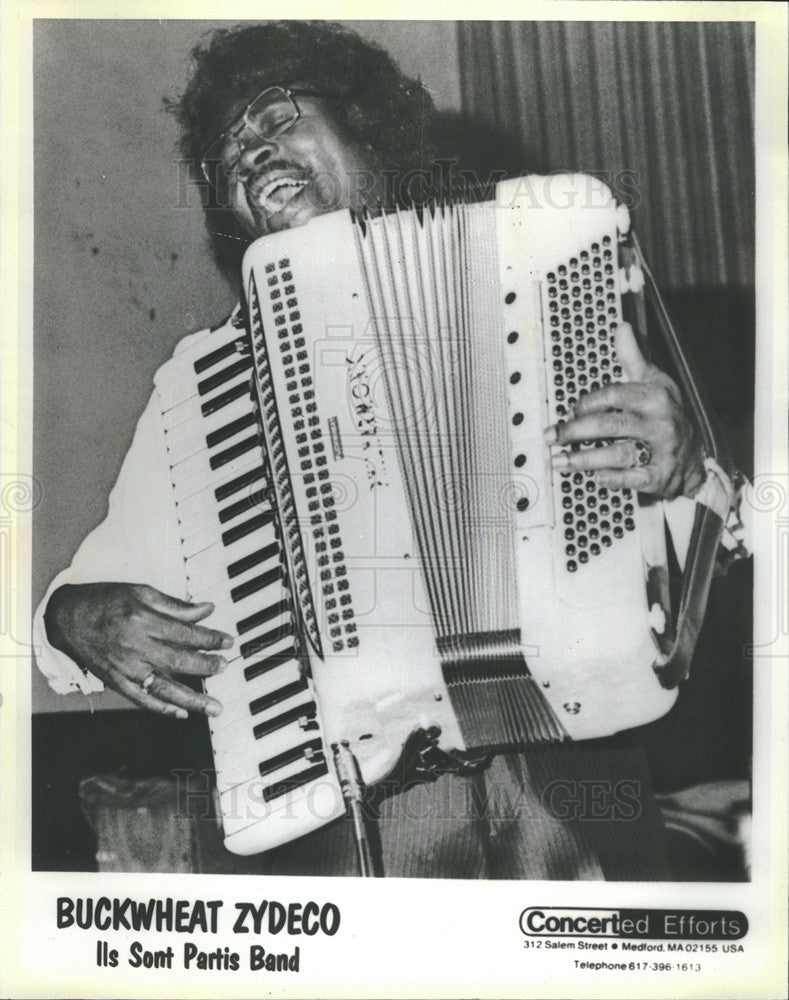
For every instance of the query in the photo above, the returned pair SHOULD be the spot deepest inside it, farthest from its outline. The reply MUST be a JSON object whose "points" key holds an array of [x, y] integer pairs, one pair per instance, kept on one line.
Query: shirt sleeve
{"points": [[137, 542]]}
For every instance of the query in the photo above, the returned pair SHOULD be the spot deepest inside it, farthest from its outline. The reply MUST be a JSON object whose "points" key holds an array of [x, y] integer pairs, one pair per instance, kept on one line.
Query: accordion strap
{"points": [[711, 507]]}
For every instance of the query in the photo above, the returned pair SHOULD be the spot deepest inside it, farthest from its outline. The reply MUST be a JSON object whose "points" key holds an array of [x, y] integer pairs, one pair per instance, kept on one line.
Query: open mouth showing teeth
{"points": [[273, 195]]}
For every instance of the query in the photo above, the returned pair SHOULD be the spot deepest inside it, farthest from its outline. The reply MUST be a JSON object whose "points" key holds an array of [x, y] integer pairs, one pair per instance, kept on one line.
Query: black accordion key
{"points": [[209, 360], [273, 698], [214, 381], [241, 530], [217, 461], [282, 631], [228, 489], [262, 555], [250, 673], [289, 784], [251, 648], [306, 712], [233, 510], [312, 751], [229, 430], [224, 398], [257, 583]]}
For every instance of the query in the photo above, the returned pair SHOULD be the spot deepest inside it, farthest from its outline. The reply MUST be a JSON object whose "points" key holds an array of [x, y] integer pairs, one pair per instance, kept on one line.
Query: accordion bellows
{"points": [[367, 497]]}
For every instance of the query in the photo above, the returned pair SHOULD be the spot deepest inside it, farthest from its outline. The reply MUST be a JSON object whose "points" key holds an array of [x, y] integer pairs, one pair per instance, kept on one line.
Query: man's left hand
{"points": [[650, 443]]}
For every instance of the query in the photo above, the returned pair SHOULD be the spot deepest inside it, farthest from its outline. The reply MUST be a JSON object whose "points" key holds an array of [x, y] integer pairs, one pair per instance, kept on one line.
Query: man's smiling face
{"points": [[308, 170]]}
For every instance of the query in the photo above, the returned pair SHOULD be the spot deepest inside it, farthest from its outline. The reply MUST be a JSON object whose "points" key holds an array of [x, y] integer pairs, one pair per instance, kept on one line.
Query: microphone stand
{"points": [[352, 787]]}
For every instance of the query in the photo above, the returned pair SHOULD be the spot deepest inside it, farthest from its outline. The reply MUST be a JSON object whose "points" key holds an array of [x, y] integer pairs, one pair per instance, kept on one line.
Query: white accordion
{"points": [[364, 492]]}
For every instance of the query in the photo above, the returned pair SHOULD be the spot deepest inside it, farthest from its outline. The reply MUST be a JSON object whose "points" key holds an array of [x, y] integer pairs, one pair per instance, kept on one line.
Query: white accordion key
{"points": [[303, 809], [184, 440], [186, 411], [197, 517], [205, 573], [174, 391], [200, 541], [235, 764]]}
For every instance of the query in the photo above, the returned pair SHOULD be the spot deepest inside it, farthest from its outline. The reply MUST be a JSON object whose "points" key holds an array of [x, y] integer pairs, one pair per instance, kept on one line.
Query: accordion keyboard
{"points": [[267, 742]]}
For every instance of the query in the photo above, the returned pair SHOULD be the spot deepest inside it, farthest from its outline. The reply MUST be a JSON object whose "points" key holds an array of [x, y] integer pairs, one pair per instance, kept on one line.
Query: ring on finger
{"points": [[643, 454], [148, 681]]}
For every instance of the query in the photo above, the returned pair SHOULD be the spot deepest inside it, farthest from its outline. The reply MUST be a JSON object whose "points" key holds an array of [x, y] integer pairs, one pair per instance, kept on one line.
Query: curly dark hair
{"points": [[379, 106]]}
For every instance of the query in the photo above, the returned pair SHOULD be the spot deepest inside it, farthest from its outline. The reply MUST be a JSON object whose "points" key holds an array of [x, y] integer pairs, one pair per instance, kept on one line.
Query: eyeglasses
{"points": [[272, 112]]}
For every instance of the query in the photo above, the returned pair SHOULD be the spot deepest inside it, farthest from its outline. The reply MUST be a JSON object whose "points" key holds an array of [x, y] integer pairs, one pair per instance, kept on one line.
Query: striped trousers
{"points": [[575, 811]]}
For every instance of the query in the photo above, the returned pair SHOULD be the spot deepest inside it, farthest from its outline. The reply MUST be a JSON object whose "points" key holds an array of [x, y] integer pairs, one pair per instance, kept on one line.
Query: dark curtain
{"points": [[662, 111]]}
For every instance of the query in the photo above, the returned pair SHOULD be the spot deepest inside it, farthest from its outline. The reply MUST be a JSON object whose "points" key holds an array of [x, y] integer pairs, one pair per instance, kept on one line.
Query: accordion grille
{"points": [[448, 396]]}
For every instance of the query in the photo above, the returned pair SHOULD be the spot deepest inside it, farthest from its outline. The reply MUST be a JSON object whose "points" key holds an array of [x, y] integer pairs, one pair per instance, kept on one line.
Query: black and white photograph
{"points": [[394, 471]]}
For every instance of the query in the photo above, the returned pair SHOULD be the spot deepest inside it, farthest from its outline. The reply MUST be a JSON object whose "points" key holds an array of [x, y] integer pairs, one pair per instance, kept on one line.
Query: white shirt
{"points": [[137, 542]]}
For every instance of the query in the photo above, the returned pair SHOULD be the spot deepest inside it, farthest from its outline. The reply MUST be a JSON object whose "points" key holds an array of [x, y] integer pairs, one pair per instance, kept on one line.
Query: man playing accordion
{"points": [[281, 123]]}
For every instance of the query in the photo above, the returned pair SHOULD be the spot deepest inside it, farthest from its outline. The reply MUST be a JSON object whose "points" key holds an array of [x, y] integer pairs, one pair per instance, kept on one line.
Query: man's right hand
{"points": [[127, 634]]}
